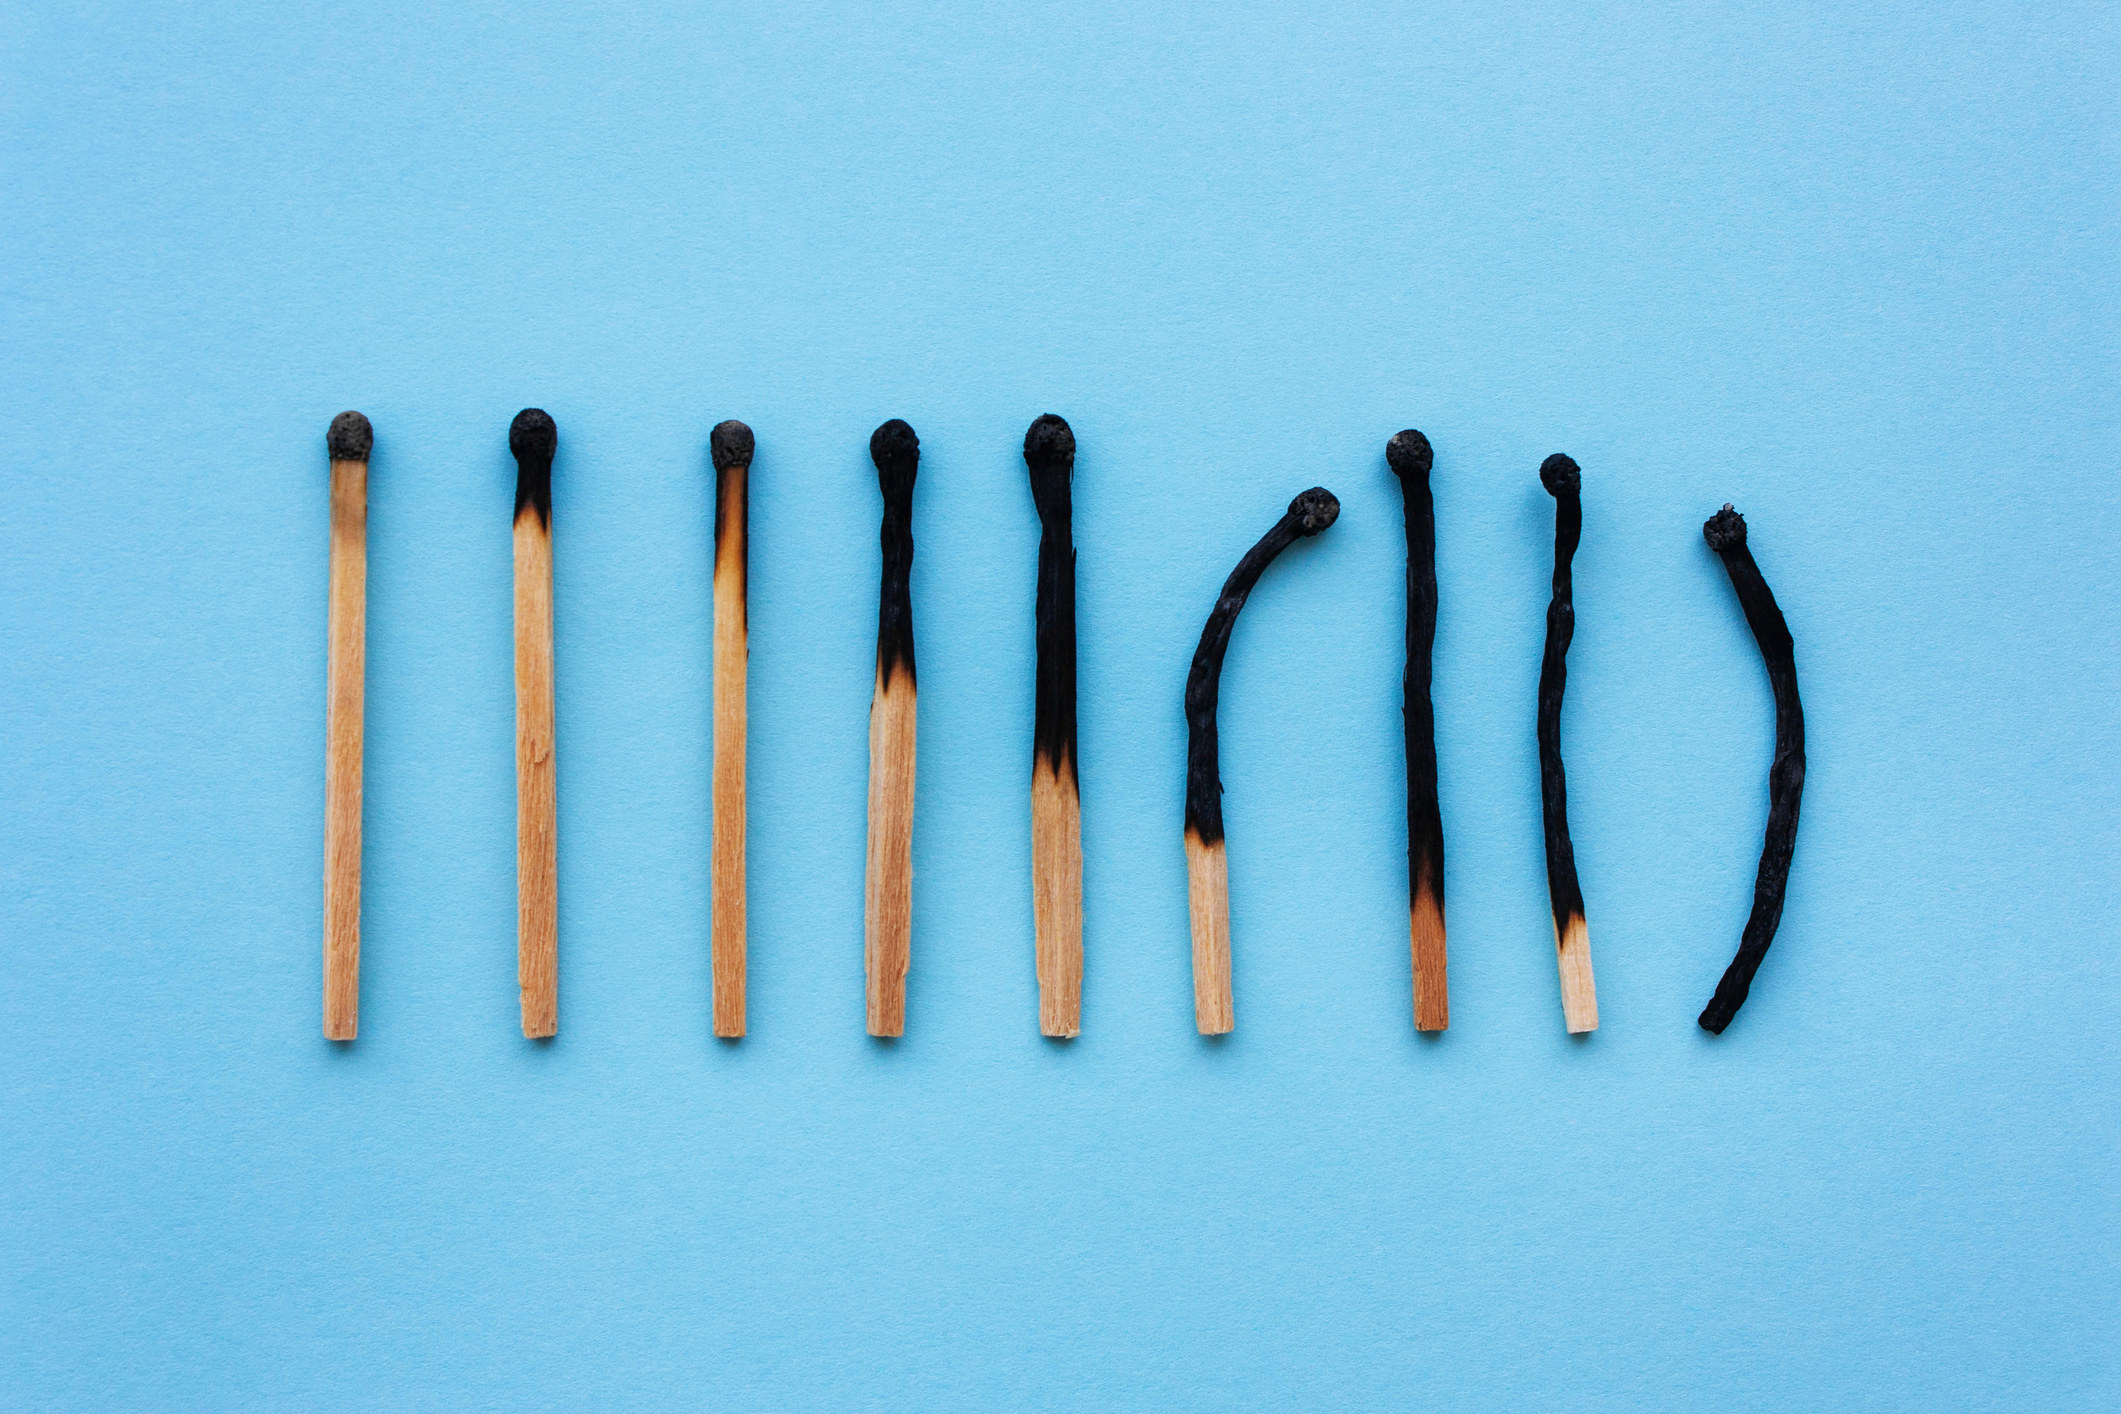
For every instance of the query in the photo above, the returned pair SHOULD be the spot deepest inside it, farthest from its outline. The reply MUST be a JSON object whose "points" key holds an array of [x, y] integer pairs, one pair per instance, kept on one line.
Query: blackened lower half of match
{"points": [[534, 441], [888, 888], [1410, 458], [1725, 532], [1056, 798], [1572, 936], [730, 446], [347, 441], [1207, 865]]}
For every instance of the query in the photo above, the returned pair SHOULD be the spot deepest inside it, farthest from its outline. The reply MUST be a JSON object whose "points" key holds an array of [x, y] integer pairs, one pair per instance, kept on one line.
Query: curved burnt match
{"points": [[1056, 797], [348, 441], [888, 890], [730, 447], [1725, 532], [534, 441], [1572, 936], [1207, 866], [1411, 458]]}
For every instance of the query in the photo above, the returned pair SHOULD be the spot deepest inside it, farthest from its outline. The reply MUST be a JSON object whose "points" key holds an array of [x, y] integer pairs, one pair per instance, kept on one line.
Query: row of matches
{"points": [[1056, 803]]}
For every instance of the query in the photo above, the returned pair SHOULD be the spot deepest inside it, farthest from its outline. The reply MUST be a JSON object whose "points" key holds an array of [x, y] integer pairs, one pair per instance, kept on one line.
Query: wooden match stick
{"points": [[1725, 532], [1056, 794], [1207, 867], [1410, 457], [534, 440], [888, 892], [730, 445], [1572, 937], [348, 441]]}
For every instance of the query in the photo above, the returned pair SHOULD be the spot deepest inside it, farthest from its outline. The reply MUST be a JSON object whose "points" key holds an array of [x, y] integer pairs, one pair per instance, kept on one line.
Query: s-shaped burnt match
{"points": [[1725, 532], [1207, 866], [888, 892], [1410, 458], [730, 446], [533, 439], [1572, 937], [347, 441], [1056, 794]]}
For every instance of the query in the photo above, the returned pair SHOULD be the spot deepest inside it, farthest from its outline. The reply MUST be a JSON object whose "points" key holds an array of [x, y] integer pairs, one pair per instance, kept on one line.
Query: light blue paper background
{"points": [[1854, 271]]}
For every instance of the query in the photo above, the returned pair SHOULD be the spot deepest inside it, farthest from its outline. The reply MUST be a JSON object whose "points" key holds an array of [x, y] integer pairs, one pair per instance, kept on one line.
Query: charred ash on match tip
{"points": [[1724, 530], [1049, 452], [1049, 455], [897, 454], [730, 444], [1561, 476], [1409, 454], [1314, 510], [534, 440], [350, 437]]}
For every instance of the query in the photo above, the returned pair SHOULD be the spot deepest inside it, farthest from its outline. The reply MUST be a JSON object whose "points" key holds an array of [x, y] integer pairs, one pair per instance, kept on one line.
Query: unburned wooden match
{"points": [[1056, 793], [887, 914], [730, 445], [533, 439], [348, 441], [1411, 457], [1207, 867], [1572, 936]]}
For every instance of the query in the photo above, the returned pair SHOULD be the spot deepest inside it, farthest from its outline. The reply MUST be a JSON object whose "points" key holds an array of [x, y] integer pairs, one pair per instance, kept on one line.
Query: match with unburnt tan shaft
{"points": [[1207, 866], [1725, 532], [730, 445], [1056, 793], [1572, 936], [534, 440], [1410, 458], [348, 441], [887, 912]]}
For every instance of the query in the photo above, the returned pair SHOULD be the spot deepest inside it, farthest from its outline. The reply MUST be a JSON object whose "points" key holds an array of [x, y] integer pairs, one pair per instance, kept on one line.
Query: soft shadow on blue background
{"points": [[1855, 273]]}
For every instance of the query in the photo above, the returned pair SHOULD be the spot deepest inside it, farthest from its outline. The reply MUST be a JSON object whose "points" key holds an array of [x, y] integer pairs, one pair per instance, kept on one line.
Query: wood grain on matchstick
{"points": [[1057, 898], [349, 443], [731, 446], [1579, 997], [888, 896], [534, 440], [1208, 904]]}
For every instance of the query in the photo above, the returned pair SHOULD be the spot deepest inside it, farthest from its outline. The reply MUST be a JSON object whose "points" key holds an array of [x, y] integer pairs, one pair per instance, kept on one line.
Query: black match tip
{"points": [[350, 438], [1314, 510], [1050, 444], [1724, 530], [897, 454], [1409, 454], [730, 444], [1560, 475], [532, 437]]}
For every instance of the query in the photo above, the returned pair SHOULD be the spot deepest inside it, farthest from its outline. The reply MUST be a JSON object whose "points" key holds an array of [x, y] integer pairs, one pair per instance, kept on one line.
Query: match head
{"points": [[897, 454], [730, 444], [350, 438], [1409, 454], [532, 437], [1314, 510], [1560, 475], [1049, 450], [1724, 530]]}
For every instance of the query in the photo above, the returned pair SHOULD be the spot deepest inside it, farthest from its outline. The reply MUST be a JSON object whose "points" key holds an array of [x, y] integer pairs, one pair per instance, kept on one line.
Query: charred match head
{"points": [[1313, 511], [350, 438], [533, 439], [1561, 476], [1409, 455], [897, 454], [1049, 451], [1724, 530], [730, 445]]}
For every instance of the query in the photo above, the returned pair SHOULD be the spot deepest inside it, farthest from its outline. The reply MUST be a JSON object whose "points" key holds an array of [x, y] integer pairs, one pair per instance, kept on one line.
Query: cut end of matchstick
{"points": [[1724, 530], [350, 437], [1560, 475], [1579, 993], [532, 436], [1409, 454], [897, 454], [730, 444], [1314, 510], [1208, 904]]}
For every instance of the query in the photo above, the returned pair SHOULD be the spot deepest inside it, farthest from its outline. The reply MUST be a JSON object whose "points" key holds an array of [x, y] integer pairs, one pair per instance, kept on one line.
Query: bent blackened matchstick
{"points": [[348, 442], [533, 439], [1572, 937], [887, 944], [1725, 532], [730, 445], [1410, 457], [1207, 867], [1056, 798]]}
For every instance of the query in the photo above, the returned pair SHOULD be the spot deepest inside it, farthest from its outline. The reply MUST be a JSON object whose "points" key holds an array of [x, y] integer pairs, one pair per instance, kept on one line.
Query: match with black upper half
{"points": [[1056, 793], [1572, 936], [1410, 457], [534, 440], [347, 441], [887, 944], [730, 448]]}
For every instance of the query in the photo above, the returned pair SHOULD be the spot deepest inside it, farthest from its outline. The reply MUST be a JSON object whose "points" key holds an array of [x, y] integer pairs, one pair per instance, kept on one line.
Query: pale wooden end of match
{"points": [[1208, 901]]}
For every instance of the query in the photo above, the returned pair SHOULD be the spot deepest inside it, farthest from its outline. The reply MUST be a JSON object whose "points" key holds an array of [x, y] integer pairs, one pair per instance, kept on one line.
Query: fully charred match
{"points": [[1207, 866], [1410, 458], [348, 441], [730, 446], [1056, 798], [1725, 532], [888, 893], [533, 439], [1572, 937]]}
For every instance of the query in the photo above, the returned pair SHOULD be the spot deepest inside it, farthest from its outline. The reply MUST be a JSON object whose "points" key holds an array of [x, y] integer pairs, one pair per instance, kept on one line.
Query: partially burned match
{"points": [[730, 446], [1572, 936], [887, 944], [1410, 458], [348, 441], [533, 439], [1207, 865], [1056, 794], [1725, 532]]}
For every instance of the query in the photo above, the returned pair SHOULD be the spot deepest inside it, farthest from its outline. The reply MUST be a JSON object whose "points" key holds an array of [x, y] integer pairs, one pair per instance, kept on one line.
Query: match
{"points": [[533, 439], [1572, 936], [348, 441], [887, 942], [1056, 794], [730, 445], [1410, 458]]}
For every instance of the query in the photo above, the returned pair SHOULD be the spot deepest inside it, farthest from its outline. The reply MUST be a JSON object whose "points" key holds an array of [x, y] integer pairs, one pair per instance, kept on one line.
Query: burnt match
{"points": [[1572, 937], [887, 943], [1725, 532], [533, 439], [1056, 794], [1207, 866], [348, 441], [730, 446], [1410, 458]]}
